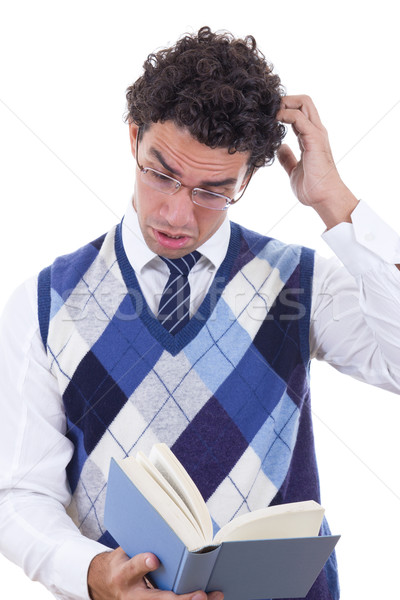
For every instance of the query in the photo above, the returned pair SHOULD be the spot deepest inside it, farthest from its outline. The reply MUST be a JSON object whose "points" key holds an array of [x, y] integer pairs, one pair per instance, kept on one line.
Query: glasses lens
{"points": [[159, 181], [210, 199]]}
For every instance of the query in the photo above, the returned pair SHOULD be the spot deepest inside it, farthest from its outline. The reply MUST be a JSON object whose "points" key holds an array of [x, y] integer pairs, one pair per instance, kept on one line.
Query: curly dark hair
{"points": [[220, 88]]}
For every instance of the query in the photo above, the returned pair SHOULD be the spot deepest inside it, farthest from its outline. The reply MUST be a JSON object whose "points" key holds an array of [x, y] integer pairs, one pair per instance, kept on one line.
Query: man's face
{"points": [[173, 226]]}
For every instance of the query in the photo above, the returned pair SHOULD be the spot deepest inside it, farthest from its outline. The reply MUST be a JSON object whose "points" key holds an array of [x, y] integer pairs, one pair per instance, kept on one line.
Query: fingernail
{"points": [[198, 596], [150, 562]]}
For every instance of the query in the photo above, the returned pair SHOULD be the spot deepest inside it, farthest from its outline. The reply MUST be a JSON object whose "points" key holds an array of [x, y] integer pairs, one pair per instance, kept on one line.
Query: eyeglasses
{"points": [[169, 185]]}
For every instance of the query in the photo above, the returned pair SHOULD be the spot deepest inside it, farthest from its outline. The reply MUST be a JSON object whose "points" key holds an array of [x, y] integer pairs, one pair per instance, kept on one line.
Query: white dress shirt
{"points": [[152, 273], [355, 326]]}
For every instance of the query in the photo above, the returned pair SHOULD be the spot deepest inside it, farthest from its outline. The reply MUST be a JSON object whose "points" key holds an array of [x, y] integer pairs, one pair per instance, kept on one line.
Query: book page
{"points": [[165, 485], [174, 472], [162, 502], [297, 519]]}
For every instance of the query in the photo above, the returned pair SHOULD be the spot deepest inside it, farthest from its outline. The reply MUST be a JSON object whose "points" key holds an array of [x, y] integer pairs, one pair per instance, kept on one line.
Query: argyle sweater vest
{"points": [[229, 393]]}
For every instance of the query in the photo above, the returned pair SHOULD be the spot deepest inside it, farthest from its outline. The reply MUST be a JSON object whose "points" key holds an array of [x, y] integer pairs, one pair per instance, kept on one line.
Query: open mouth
{"points": [[172, 237], [170, 241]]}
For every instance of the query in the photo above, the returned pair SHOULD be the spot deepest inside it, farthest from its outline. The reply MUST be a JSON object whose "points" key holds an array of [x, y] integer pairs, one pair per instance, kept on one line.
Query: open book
{"points": [[153, 505]]}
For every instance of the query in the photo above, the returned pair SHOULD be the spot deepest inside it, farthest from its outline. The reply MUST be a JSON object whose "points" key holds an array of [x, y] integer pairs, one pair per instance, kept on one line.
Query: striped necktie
{"points": [[173, 310]]}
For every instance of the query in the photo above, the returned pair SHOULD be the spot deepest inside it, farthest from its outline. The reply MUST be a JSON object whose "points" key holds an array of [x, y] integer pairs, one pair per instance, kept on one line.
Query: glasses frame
{"points": [[178, 184]]}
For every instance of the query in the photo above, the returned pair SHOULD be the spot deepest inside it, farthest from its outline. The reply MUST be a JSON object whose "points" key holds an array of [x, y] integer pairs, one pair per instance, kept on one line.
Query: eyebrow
{"points": [[223, 182]]}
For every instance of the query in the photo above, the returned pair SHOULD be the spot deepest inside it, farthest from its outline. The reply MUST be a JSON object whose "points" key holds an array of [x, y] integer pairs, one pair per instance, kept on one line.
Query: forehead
{"points": [[184, 153]]}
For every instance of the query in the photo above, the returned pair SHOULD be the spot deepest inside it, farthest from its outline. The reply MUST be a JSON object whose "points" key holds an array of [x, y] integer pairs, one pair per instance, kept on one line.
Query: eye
{"points": [[156, 176], [160, 179], [160, 176], [209, 199], [205, 195]]}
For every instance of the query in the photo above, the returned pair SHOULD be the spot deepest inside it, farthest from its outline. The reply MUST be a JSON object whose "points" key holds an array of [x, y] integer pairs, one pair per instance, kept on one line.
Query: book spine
{"points": [[195, 570]]}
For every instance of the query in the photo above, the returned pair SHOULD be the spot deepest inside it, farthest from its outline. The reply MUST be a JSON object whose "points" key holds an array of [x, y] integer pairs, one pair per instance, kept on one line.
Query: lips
{"points": [[169, 240]]}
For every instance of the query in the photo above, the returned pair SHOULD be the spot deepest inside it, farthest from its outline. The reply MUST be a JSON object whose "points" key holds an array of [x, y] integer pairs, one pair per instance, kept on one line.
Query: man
{"points": [[99, 361]]}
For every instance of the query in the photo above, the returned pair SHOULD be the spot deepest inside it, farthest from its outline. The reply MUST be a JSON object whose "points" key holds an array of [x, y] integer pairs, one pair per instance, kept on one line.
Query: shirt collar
{"points": [[140, 255]]}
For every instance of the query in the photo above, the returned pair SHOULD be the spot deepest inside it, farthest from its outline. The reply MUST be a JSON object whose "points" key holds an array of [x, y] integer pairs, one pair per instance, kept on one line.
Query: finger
{"points": [[298, 119], [136, 568], [215, 596], [308, 135], [200, 595], [304, 104], [286, 158]]}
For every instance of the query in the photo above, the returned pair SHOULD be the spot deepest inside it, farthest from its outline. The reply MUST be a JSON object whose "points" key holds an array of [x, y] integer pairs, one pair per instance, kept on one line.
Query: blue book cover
{"points": [[243, 570]]}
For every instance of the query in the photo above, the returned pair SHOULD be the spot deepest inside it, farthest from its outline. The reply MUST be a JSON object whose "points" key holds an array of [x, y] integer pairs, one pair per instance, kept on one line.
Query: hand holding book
{"points": [[153, 505], [115, 575]]}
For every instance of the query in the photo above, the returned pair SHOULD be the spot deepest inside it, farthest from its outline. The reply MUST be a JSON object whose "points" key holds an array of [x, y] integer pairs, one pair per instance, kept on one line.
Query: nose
{"points": [[178, 210]]}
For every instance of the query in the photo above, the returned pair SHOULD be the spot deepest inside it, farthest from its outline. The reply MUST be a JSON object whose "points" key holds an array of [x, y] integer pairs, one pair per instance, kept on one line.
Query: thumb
{"points": [[136, 567], [151, 561], [286, 158]]}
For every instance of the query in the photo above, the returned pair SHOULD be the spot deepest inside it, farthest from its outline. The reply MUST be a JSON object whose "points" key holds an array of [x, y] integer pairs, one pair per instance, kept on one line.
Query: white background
{"points": [[66, 175]]}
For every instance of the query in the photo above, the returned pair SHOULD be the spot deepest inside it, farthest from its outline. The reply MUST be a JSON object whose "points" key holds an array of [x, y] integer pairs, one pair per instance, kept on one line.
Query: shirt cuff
{"points": [[71, 563], [363, 244]]}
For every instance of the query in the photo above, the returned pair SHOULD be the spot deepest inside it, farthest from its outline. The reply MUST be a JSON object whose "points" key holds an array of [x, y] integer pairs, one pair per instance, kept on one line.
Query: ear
{"points": [[244, 184], [133, 133], [246, 180]]}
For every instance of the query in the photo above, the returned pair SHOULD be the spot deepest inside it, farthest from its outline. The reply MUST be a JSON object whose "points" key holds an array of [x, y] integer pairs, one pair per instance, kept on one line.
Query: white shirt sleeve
{"points": [[355, 327], [35, 531], [355, 315]]}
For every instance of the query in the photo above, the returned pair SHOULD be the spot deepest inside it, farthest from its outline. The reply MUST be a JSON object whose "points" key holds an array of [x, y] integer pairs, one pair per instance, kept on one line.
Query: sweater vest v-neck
{"points": [[229, 393]]}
